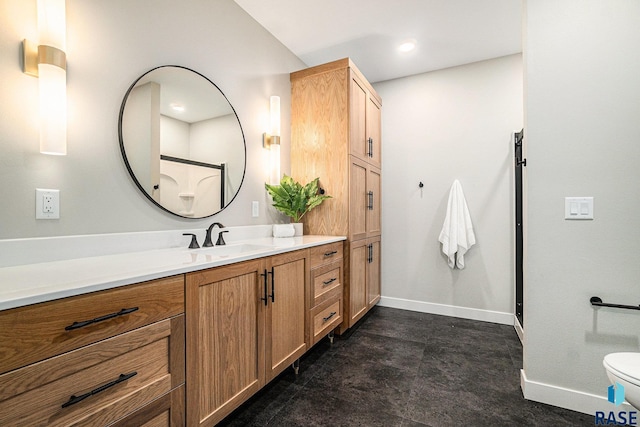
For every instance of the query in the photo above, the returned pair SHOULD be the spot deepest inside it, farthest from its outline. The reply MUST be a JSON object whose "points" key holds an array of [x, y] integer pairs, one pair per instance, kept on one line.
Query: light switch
{"points": [[573, 209], [578, 208]]}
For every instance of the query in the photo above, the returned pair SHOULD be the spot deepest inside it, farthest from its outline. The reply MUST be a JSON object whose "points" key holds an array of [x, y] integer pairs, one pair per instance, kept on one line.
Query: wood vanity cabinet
{"points": [[365, 277], [245, 325], [326, 290], [336, 135], [103, 358]]}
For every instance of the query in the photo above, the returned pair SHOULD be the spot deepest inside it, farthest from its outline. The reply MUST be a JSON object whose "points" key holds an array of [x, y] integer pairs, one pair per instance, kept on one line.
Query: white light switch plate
{"points": [[578, 208], [47, 204]]}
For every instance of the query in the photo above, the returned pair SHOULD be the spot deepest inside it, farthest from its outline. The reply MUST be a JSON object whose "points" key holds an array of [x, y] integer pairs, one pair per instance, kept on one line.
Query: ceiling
{"points": [[447, 32]]}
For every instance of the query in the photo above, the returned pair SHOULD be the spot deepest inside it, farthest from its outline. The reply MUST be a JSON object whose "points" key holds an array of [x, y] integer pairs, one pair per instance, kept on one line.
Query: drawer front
{"points": [[326, 282], [325, 254], [326, 318], [167, 411], [36, 332], [97, 384]]}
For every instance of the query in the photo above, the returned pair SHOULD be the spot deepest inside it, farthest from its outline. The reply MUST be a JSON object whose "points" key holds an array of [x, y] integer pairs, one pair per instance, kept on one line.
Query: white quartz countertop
{"points": [[34, 283]]}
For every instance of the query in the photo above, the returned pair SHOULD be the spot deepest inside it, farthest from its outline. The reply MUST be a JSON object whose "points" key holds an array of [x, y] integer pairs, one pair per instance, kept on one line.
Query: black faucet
{"points": [[194, 240], [207, 240], [220, 240]]}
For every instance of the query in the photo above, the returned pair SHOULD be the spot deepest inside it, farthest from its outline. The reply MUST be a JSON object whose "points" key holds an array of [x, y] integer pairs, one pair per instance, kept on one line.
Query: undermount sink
{"points": [[231, 250]]}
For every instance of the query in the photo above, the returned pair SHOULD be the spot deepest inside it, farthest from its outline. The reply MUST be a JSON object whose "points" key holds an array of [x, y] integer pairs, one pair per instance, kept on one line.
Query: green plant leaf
{"points": [[293, 199]]}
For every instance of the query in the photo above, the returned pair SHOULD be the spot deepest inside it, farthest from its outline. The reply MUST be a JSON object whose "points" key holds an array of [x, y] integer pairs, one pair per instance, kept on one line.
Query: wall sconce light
{"points": [[47, 61], [271, 140]]}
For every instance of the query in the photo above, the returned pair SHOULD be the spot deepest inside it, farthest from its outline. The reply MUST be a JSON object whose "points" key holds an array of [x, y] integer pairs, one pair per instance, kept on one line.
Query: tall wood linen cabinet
{"points": [[336, 135]]}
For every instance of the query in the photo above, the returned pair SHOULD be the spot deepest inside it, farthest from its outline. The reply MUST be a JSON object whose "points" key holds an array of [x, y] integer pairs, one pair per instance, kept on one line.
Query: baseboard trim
{"points": [[567, 398], [518, 327], [448, 310]]}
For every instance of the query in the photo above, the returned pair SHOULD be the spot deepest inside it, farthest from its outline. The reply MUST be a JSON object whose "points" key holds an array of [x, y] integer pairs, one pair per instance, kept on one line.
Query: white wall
{"points": [[582, 134], [440, 126], [109, 45]]}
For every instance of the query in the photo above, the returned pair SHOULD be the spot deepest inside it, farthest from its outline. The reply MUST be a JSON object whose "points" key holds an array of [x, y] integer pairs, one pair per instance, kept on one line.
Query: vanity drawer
{"points": [[325, 254], [167, 411], [97, 384], [39, 331], [325, 318], [326, 282]]}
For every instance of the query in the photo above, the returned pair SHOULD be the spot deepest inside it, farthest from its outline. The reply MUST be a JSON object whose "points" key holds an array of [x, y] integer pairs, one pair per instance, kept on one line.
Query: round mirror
{"points": [[182, 142]]}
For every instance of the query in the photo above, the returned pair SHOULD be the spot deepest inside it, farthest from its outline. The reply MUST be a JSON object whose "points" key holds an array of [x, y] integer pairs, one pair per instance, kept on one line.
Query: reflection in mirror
{"points": [[182, 142]]}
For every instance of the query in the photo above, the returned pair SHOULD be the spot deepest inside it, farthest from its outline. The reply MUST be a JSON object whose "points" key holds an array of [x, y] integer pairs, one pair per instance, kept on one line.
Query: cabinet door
{"points": [[225, 362], [374, 187], [357, 301], [373, 272], [359, 146], [374, 132], [285, 317], [358, 199]]}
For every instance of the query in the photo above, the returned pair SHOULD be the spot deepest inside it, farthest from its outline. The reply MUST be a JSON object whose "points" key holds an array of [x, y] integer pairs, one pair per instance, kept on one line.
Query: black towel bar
{"points": [[597, 301]]}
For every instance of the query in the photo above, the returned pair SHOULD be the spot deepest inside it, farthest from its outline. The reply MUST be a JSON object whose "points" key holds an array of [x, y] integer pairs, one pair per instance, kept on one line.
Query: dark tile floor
{"points": [[402, 368]]}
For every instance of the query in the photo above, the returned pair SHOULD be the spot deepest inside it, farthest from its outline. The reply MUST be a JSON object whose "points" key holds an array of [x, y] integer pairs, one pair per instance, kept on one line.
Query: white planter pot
{"points": [[283, 230], [298, 227]]}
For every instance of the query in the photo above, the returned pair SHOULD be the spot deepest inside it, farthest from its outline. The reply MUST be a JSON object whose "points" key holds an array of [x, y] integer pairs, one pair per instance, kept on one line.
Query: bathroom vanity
{"points": [[168, 337]]}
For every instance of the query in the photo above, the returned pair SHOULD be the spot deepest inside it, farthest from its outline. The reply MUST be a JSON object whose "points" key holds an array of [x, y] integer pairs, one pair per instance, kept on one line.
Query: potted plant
{"points": [[293, 199]]}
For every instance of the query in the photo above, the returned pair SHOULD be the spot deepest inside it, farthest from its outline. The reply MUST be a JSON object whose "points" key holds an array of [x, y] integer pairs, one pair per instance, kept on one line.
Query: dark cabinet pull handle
{"points": [[77, 325], [370, 147], [273, 286], [370, 205], [76, 399], [324, 319], [328, 254], [327, 282], [266, 298], [370, 257]]}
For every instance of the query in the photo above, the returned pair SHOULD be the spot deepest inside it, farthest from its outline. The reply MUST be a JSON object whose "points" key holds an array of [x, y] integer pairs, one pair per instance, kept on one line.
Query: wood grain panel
{"points": [[96, 366], [167, 411], [374, 130], [358, 99], [35, 332], [325, 281], [357, 284], [373, 273], [228, 328], [285, 321], [326, 317], [358, 199], [319, 146], [374, 216], [325, 254], [53, 369], [225, 330], [334, 112]]}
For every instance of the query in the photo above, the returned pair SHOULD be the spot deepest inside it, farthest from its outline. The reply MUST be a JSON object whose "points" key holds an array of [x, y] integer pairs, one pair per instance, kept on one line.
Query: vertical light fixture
{"points": [[271, 140], [47, 61]]}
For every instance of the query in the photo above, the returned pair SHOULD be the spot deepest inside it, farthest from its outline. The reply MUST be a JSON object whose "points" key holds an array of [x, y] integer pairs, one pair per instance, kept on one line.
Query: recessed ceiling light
{"points": [[407, 46], [177, 107]]}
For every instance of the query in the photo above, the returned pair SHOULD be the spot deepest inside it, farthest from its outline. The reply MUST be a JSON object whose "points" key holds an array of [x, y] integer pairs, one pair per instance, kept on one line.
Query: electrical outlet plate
{"points": [[255, 209], [47, 203]]}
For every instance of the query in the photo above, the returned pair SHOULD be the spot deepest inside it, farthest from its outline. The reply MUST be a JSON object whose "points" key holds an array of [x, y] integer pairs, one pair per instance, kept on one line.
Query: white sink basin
{"points": [[233, 250]]}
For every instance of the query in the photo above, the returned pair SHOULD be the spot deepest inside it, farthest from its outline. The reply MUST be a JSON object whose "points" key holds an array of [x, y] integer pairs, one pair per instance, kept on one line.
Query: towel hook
{"points": [[421, 184]]}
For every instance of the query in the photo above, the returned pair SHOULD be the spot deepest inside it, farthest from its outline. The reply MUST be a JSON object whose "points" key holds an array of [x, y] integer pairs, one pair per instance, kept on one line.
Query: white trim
{"points": [[448, 310], [518, 327], [567, 398]]}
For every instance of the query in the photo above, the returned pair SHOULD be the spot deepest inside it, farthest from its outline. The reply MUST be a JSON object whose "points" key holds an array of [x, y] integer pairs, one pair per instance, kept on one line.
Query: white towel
{"points": [[457, 234]]}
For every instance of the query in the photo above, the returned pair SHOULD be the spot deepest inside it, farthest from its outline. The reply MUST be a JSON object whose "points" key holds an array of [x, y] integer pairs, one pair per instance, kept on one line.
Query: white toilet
{"points": [[624, 368]]}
